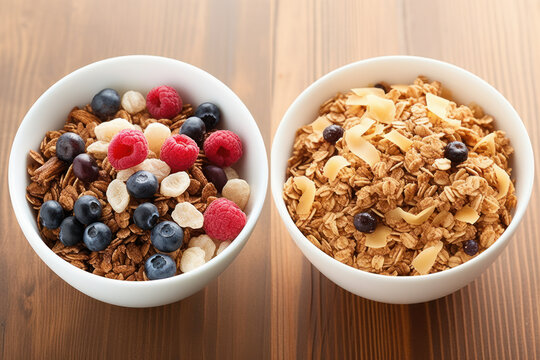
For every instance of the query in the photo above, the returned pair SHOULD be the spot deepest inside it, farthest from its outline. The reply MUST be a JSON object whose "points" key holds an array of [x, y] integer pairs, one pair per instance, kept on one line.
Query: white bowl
{"points": [[140, 73], [465, 88]]}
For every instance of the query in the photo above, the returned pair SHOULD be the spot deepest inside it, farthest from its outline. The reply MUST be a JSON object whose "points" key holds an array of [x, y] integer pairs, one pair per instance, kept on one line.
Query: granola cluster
{"points": [[124, 258], [391, 163]]}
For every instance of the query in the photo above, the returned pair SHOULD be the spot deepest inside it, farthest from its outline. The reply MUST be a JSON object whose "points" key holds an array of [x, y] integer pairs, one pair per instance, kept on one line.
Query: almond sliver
{"points": [[361, 147], [503, 181], [377, 239], [369, 90], [467, 214], [320, 124], [333, 165], [424, 261], [401, 141], [489, 141], [307, 187], [380, 109], [439, 106], [417, 219]]}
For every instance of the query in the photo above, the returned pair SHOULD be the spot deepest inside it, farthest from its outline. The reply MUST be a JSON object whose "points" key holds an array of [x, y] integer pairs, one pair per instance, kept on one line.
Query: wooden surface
{"points": [[270, 303]]}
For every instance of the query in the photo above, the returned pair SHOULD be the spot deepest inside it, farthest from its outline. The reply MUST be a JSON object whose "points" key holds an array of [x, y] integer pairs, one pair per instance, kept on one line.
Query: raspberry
{"points": [[223, 148], [179, 152], [223, 220], [127, 149], [163, 102]]}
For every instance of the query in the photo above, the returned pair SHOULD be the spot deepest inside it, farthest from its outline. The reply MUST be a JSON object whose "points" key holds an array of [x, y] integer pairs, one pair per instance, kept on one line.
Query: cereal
{"points": [[428, 206], [187, 215], [206, 243], [175, 184], [117, 195], [192, 258], [238, 191], [129, 221], [133, 102]]}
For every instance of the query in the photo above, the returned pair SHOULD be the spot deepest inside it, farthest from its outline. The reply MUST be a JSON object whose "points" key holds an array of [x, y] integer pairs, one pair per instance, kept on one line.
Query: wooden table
{"points": [[271, 303]]}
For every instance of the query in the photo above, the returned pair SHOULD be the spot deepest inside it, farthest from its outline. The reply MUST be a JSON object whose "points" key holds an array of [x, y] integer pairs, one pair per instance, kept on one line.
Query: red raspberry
{"points": [[179, 152], [127, 149], [223, 220], [223, 148], [163, 102]]}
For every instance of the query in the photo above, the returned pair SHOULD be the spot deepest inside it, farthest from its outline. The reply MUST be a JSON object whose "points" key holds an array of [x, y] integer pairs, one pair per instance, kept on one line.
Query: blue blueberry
{"points": [[209, 113], [51, 214], [167, 236], [333, 133], [71, 231], [85, 168], [365, 222], [87, 209], [146, 216], [141, 185], [97, 236], [194, 128], [105, 103], [470, 247], [215, 175], [159, 266], [456, 152], [68, 146]]}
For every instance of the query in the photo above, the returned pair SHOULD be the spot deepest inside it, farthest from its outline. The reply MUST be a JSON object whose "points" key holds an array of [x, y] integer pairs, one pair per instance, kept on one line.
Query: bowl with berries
{"points": [[138, 179], [404, 178]]}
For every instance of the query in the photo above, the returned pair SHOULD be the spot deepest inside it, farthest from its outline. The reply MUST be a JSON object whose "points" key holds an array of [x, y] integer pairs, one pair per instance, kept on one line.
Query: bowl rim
{"points": [[301, 240], [34, 238]]}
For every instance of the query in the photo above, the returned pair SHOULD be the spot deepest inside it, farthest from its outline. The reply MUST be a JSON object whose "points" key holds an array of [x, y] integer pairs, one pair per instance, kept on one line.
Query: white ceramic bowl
{"points": [[465, 88], [139, 73]]}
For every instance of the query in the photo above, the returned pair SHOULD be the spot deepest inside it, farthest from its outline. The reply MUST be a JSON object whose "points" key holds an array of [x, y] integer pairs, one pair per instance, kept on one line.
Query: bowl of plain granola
{"points": [[138, 179], [404, 177]]}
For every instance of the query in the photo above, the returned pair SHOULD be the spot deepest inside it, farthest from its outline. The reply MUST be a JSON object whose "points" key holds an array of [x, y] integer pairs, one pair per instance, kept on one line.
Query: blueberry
{"points": [[456, 152], [381, 86], [68, 146], [209, 113], [97, 236], [51, 214], [332, 133], [470, 247], [71, 231], [159, 266], [365, 222], [215, 175], [87, 209], [146, 216], [85, 168], [105, 103], [167, 236], [143, 184], [194, 128]]}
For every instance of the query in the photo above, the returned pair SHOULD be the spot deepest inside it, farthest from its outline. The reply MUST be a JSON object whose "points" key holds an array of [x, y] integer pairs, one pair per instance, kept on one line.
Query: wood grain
{"points": [[270, 303]]}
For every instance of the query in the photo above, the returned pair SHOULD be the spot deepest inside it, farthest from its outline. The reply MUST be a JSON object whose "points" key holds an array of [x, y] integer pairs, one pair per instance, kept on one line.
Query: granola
{"points": [[184, 195], [392, 163]]}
